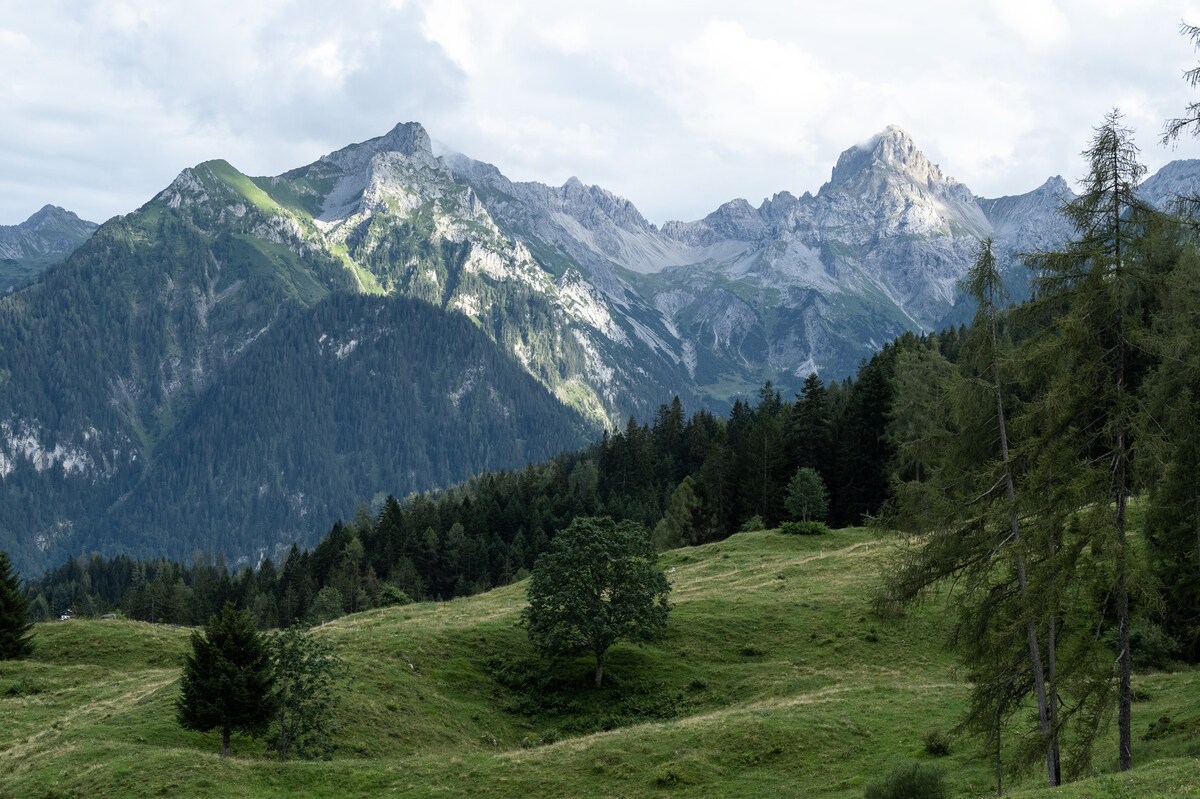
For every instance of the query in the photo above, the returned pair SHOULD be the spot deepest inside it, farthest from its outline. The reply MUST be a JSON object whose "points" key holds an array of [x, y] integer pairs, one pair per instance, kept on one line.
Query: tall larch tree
{"points": [[1095, 291]]}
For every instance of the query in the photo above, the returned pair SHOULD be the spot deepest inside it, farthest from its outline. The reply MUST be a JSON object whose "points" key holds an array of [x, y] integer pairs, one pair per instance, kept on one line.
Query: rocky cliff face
{"points": [[800, 283], [1178, 179]]}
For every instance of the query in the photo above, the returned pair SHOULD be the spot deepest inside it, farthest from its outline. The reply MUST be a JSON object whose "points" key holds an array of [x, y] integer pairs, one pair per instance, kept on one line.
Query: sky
{"points": [[677, 105]]}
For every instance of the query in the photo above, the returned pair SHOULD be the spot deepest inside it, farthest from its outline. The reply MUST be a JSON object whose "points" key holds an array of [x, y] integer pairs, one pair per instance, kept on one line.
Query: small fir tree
{"points": [[14, 615], [228, 683]]}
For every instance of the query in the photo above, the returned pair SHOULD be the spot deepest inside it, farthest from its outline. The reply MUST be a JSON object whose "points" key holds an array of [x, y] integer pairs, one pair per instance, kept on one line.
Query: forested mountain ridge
{"points": [[45, 238], [110, 356]]}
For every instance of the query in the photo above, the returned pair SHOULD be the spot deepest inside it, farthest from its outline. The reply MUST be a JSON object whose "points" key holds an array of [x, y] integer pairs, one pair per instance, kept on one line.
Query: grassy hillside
{"points": [[775, 680]]}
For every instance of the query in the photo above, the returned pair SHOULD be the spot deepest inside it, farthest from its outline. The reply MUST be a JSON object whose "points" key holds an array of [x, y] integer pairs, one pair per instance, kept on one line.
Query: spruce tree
{"points": [[811, 427], [14, 615], [228, 682]]}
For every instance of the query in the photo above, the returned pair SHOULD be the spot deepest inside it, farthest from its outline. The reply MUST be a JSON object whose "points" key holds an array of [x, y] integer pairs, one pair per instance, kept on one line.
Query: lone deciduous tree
{"points": [[306, 672], [599, 583], [14, 615], [228, 682], [807, 499]]}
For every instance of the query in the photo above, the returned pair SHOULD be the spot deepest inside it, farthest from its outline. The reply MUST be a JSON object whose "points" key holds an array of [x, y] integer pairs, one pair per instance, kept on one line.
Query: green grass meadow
{"points": [[775, 680]]}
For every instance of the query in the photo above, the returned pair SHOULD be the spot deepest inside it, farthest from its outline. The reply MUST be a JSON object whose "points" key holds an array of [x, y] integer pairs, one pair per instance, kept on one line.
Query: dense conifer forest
{"points": [[709, 476]]}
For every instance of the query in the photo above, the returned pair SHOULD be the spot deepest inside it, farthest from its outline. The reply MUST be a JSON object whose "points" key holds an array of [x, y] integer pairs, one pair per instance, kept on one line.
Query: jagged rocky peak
{"points": [[736, 220], [51, 231], [407, 138], [1056, 185], [594, 205], [891, 151], [188, 187]]}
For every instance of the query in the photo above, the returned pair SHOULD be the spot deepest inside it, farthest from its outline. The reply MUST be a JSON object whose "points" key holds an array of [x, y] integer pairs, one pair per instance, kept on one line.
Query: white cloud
{"points": [[677, 105], [748, 92], [1038, 22]]}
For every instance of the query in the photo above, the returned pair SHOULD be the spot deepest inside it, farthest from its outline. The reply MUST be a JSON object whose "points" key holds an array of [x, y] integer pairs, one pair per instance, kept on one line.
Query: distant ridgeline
{"points": [[709, 475]]}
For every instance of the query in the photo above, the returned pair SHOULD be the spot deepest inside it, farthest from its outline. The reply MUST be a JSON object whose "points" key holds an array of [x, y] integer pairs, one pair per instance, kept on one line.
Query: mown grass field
{"points": [[775, 680]]}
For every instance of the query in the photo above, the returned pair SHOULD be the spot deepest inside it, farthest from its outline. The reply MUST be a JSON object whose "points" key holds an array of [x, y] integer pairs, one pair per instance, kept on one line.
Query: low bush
{"points": [[909, 781], [753, 524], [391, 596], [804, 528], [937, 743]]}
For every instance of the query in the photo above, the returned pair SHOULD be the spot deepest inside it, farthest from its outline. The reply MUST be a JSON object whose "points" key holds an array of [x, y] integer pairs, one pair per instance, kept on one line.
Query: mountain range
{"points": [[242, 359]]}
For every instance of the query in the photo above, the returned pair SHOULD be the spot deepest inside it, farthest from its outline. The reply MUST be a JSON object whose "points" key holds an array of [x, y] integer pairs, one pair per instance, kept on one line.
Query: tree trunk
{"points": [[1196, 525], [224, 742], [1125, 691], [1120, 487], [1035, 655], [999, 756], [599, 668], [1052, 677]]}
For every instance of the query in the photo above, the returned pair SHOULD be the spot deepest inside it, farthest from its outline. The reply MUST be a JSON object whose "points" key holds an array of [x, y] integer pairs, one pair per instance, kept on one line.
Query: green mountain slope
{"points": [[774, 680], [110, 357]]}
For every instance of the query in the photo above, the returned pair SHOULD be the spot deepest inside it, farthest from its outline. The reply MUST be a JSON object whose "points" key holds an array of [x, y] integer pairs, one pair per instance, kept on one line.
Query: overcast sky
{"points": [[679, 106]]}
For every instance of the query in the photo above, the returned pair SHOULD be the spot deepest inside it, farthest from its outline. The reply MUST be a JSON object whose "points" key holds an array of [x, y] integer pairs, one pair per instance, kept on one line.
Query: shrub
{"points": [[804, 528], [391, 596], [1151, 647], [25, 686], [753, 524], [909, 781], [937, 743]]}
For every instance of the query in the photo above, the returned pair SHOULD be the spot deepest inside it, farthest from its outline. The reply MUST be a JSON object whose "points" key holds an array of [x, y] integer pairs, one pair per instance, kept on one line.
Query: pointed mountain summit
{"points": [[45, 238], [1030, 222], [891, 151], [49, 231], [55, 218], [408, 138], [889, 167]]}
